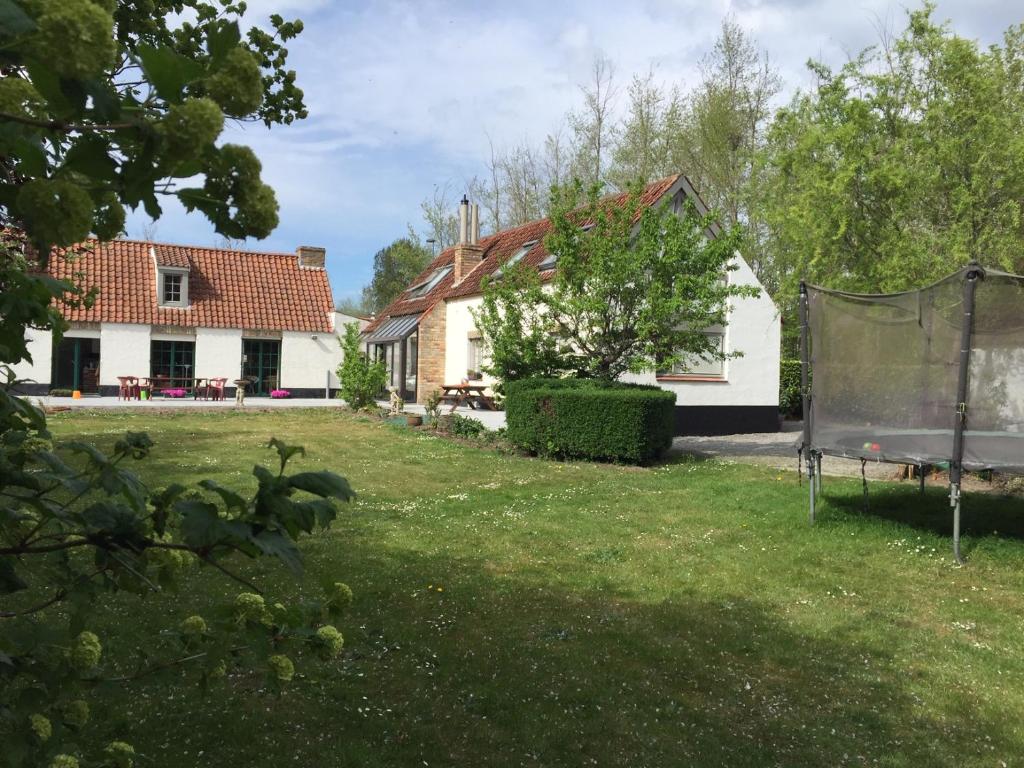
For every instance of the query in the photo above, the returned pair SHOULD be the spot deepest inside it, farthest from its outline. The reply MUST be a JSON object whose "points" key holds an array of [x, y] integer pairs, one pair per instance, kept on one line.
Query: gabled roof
{"points": [[501, 246], [227, 288]]}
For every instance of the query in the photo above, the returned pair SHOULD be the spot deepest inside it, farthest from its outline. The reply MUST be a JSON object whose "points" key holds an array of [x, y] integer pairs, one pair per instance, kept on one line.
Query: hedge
{"points": [[586, 419]]}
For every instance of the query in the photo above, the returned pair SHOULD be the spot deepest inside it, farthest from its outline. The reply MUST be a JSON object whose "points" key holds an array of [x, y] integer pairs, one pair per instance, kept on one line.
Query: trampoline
{"points": [[932, 376]]}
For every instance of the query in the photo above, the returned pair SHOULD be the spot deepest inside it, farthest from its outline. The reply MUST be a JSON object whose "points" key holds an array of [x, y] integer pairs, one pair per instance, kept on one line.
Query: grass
{"points": [[517, 612]]}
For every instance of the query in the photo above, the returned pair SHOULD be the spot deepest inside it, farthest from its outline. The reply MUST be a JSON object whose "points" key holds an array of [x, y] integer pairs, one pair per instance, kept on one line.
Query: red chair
{"points": [[128, 388], [214, 390]]}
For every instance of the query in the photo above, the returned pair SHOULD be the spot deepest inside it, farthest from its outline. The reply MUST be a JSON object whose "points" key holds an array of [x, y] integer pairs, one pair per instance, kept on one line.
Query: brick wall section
{"points": [[430, 368]]}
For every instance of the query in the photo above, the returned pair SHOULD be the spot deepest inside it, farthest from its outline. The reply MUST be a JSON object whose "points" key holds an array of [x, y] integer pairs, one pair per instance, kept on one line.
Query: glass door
{"points": [[76, 365], [171, 364], [261, 364]]}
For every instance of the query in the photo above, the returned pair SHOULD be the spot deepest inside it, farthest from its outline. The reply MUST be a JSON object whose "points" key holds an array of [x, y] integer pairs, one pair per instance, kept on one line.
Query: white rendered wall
{"points": [[755, 329], [459, 323], [218, 353], [305, 361], [124, 351], [40, 346]]}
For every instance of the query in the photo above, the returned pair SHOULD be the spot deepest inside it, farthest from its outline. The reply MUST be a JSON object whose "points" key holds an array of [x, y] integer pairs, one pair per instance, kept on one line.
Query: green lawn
{"points": [[514, 612]]}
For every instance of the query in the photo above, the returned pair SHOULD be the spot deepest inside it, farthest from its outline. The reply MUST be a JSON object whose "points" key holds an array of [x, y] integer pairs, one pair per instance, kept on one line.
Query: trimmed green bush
{"points": [[60, 393], [587, 419]]}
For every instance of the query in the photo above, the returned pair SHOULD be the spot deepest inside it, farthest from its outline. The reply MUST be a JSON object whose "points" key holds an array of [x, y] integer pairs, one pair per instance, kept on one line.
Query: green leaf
{"points": [[222, 38], [231, 499], [10, 581], [323, 510], [89, 156], [201, 526], [324, 484], [285, 451], [13, 20], [280, 545], [168, 71]]}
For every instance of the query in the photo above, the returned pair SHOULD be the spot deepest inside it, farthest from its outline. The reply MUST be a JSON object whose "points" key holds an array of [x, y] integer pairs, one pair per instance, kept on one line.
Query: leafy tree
{"points": [[361, 380], [103, 105], [394, 267], [902, 166], [518, 340], [632, 291]]}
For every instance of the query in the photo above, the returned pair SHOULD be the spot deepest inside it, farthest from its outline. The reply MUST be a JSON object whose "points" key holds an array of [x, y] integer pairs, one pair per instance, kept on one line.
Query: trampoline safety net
{"points": [[884, 372]]}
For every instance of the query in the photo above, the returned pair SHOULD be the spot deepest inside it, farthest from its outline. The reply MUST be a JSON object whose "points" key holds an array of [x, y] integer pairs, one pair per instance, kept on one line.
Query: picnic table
{"points": [[196, 385], [467, 394]]}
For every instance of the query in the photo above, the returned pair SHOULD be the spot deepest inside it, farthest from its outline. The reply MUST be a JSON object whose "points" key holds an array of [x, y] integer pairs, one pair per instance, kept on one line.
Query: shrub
{"points": [[588, 419], [463, 426], [60, 393], [361, 380], [790, 399]]}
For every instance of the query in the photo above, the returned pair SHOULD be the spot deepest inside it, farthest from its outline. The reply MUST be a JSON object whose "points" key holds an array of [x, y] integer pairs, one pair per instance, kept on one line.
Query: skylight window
{"points": [[422, 289], [524, 249], [549, 262]]}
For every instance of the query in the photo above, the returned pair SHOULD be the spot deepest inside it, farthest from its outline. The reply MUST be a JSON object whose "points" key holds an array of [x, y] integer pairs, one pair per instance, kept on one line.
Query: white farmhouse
{"points": [[428, 337], [177, 312]]}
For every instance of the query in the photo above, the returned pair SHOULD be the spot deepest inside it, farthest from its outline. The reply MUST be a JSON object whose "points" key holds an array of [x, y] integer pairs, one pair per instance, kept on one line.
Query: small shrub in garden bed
{"points": [[463, 426], [60, 393], [280, 394], [588, 419]]}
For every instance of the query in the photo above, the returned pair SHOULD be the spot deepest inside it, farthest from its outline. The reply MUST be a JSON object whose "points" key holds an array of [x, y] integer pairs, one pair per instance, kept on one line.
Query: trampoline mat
{"points": [[998, 451]]}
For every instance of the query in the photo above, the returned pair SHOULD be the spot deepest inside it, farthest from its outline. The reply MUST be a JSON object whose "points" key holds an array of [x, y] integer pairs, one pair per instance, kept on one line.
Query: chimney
{"points": [[468, 252], [312, 257]]}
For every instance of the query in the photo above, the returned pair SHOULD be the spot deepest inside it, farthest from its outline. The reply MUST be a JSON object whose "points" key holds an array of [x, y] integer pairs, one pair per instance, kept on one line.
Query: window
{"points": [[696, 366], [173, 288], [474, 359], [170, 364], [524, 249], [549, 262], [422, 289]]}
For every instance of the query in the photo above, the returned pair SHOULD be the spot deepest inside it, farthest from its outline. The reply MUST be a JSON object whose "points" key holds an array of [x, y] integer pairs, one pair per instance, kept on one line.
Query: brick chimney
{"points": [[468, 252], [312, 257]]}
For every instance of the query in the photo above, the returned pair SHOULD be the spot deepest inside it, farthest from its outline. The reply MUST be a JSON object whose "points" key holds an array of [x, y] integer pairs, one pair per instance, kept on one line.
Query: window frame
{"points": [[182, 276], [701, 376]]}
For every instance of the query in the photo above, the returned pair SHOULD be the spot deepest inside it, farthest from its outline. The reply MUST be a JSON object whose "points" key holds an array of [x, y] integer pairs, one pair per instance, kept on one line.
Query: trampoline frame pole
{"points": [[805, 392], [973, 274]]}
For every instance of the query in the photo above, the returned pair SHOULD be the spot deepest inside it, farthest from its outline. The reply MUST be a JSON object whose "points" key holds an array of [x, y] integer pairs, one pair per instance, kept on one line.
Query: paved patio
{"points": [[490, 419]]}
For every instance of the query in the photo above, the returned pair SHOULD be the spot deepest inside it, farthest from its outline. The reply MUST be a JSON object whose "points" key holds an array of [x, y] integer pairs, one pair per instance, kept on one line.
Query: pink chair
{"points": [[214, 390], [128, 388]]}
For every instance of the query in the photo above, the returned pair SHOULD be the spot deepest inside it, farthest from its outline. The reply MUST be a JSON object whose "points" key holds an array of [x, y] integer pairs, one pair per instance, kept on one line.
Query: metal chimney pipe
{"points": [[474, 226], [463, 220]]}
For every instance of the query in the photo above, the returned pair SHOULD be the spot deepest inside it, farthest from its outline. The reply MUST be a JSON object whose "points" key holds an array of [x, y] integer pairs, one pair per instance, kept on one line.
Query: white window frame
{"points": [[182, 300], [688, 368]]}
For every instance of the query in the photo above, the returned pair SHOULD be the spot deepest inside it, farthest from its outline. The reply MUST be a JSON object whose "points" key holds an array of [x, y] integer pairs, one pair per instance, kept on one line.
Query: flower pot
{"points": [[76, 395], [414, 419]]}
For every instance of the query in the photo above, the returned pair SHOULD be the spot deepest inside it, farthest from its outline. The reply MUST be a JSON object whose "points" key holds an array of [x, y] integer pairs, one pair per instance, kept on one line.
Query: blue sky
{"points": [[404, 95]]}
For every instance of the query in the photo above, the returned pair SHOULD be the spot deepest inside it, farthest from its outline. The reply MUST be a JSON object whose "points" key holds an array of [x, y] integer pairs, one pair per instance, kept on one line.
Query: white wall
{"points": [[218, 353], [40, 347], [458, 324], [305, 361], [754, 329], [124, 351]]}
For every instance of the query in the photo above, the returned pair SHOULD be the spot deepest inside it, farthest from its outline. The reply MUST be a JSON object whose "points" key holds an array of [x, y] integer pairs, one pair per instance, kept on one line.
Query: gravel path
{"points": [[777, 450]]}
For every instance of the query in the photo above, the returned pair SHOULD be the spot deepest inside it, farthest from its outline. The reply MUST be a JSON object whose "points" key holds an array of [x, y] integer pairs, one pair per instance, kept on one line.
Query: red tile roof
{"points": [[227, 289], [497, 248]]}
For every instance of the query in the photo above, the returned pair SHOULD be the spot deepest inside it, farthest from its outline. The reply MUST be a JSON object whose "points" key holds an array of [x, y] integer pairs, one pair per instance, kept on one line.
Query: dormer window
{"points": [[524, 249], [172, 286], [422, 289]]}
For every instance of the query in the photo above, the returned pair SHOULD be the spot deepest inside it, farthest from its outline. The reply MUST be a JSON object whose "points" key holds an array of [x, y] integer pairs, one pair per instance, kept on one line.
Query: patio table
{"points": [[467, 394]]}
